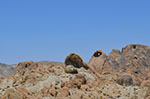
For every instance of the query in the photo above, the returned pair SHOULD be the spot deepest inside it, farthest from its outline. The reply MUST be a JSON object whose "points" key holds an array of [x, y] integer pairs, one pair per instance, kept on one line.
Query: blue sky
{"points": [[51, 29]]}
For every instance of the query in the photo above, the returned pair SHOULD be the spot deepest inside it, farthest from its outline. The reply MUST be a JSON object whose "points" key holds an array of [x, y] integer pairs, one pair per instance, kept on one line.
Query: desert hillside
{"points": [[122, 74], [7, 70]]}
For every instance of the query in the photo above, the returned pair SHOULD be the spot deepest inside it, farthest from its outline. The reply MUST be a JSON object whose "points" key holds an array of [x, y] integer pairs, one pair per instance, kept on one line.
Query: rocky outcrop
{"points": [[120, 75], [24, 67], [132, 60], [97, 60], [7, 70]]}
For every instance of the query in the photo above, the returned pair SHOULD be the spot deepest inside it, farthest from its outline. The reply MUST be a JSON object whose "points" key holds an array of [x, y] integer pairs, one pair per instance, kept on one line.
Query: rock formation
{"points": [[132, 60], [120, 75], [97, 61], [75, 60], [7, 70]]}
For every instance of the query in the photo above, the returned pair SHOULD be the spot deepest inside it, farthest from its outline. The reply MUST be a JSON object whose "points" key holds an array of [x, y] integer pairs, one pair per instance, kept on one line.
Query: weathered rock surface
{"points": [[97, 60], [7, 70], [120, 75], [134, 60]]}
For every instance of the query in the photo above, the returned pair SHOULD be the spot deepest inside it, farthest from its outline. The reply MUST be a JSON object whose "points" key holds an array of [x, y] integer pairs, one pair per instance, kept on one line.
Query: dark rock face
{"points": [[75, 60], [134, 59]]}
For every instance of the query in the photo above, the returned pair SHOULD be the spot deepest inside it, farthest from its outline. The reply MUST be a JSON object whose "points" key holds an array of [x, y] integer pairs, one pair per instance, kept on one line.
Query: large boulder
{"points": [[97, 60], [75, 60]]}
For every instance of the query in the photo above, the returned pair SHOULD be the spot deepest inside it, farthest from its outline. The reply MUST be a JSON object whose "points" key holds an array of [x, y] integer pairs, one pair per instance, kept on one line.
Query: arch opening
{"points": [[97, 54]]}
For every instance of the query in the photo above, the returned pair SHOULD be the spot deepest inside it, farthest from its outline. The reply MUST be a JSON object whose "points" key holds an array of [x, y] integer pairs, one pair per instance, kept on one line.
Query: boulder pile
{"points": [[120, 75]]}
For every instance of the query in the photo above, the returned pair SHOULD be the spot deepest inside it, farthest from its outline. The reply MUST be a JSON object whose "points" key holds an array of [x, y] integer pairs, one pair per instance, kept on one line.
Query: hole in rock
{"points": [[135, 57], [26, 66], [97, 54], [136, 72], [134, 46]]}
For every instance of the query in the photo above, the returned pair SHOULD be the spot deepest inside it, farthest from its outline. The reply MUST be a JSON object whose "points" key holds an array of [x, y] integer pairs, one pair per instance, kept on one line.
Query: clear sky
{"points": [[51, 29]]}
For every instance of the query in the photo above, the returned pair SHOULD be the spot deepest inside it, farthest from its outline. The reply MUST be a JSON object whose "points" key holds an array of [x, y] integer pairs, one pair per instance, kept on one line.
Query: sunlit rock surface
{"points": [[120, 75]]}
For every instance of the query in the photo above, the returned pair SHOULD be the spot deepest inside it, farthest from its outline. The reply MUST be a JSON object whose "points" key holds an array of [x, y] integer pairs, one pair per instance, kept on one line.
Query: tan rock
{"points": [[13, 78], [1, 78], [145, 83], [53, 91], [63, 92], [44, 90], [78, 95], [23, 90], [113, 63], [12, 93], [75, 82], [97, 60], [70, 69], [26, 66]]}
